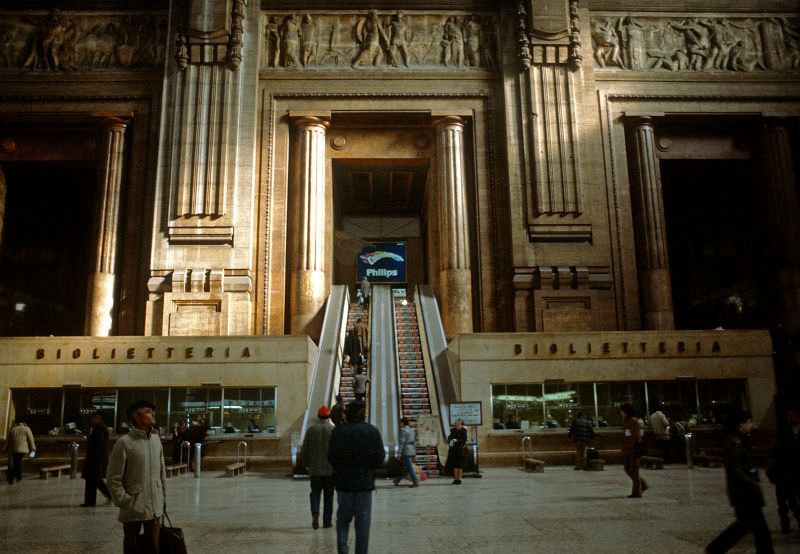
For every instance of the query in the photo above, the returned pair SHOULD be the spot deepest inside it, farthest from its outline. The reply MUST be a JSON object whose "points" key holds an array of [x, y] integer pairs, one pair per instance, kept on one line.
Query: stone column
{"points": [[455, 277], [651, 236], [784, 217], [309, 285], [101, 297]]}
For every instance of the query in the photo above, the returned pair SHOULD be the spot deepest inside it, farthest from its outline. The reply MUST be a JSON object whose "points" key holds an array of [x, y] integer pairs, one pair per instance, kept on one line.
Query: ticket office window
{"points": [[249, 410]]}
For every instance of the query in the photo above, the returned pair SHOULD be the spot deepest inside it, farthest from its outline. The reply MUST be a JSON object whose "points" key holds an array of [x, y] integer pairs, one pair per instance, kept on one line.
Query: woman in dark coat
{"points": [[457, 441], [96, 462]]}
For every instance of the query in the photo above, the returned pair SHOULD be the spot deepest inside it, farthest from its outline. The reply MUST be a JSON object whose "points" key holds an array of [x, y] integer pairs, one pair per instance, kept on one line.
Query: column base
{"points": [[657, 310]]}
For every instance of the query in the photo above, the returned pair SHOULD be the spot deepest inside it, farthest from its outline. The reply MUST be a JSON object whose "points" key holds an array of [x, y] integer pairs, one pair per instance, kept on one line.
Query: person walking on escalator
{"points": [[360, 381]]}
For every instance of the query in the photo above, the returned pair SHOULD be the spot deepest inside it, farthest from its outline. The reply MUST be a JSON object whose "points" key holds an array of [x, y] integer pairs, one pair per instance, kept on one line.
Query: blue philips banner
{"points": [[383, 262]]}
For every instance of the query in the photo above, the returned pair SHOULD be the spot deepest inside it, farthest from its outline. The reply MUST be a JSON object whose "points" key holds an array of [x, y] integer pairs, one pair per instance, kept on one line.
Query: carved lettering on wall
{"points": [[393, 40], [696, 44], [71, 41]]}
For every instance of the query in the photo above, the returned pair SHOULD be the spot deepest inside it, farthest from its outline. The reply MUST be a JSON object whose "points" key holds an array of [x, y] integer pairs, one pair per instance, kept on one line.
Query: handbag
{"points": [[170, 540]]}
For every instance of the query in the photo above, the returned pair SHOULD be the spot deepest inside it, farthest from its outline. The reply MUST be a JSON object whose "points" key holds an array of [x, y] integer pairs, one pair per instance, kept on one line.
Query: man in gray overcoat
{"points": [[136, 478]]}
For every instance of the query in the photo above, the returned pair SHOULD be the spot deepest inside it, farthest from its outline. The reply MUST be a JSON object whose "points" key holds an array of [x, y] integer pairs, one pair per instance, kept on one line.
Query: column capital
{"points": [[638, 121], [449, 121], [302, 119], [113, 123]]}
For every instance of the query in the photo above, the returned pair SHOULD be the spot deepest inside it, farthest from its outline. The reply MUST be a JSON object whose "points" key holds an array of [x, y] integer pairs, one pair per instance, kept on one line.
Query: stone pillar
{"points": [[455, 277], [309, 284], [651, 233], [784, 218], [101, 297]]}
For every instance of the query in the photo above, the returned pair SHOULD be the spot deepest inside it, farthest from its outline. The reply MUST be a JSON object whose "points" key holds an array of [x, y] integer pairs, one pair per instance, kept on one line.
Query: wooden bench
{"points": [[176, 469], [652, 462], [706, 460], [533, 465], [233, 470], [598, 464], [45, 472]]}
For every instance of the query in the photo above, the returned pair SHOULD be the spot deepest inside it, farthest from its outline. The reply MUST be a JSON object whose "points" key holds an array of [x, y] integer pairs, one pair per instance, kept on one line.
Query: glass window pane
{"points": [[39, 408], [249, 410], [610, 396], [97, 402], [202, 405], [72, 411], [719, 397], [512, 405], [564, 401], [677, 399]]}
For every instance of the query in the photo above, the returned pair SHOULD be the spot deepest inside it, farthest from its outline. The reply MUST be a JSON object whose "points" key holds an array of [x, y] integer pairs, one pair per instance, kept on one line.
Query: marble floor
{"points": [[506, 511]]}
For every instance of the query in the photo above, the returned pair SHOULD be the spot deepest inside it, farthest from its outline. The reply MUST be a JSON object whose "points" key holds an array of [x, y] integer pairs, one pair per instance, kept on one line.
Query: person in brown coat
{"points": [[631, 449], [96, 463]]}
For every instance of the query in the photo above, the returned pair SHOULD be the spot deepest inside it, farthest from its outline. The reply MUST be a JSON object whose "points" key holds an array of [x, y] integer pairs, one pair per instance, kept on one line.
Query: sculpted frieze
{"points": [[378, 40], [723, 44], [68, 41]]}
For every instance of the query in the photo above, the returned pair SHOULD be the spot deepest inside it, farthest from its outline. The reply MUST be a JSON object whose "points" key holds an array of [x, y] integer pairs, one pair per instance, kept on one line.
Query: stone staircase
{"points": [[414, 394]]}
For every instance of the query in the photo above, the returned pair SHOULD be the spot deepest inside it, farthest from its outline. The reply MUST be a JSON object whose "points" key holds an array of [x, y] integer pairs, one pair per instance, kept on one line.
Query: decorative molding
{"points": [[199, 281], [61, 41], [212, 34], [696, 44], [560, 232], [387, 41], [562, 278]]}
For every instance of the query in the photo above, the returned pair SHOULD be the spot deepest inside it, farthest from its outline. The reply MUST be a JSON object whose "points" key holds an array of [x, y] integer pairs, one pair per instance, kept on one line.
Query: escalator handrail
{"points": [[446, 389], [383, 393], [326, 371]]}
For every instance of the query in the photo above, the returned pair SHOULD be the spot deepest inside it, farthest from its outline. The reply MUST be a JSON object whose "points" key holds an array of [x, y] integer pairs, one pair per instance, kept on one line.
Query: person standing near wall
{"points": [[632, 449], [96, 463], [19, 443], [660, 424], [744, 490], [456, 455], [137, 477], [315, 457], [581, 433]]}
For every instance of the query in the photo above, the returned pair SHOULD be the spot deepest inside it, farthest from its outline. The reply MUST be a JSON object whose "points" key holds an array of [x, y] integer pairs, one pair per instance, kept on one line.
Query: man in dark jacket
{"points": [[355, 451], [744, 491], [96, 462], [581, 433]]}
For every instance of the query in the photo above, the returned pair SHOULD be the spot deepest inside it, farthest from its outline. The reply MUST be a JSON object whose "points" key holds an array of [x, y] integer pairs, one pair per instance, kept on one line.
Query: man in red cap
{"points": [[315, 457]]}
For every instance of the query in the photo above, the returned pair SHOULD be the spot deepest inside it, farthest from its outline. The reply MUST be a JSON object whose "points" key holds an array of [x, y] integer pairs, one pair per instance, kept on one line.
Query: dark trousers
{"points": [[748, 518], [90, 491], [322, 485], [580, 454], [664, 446], [358, 506], [788, 496], [632, 469], [14, 472], [133, 543]]}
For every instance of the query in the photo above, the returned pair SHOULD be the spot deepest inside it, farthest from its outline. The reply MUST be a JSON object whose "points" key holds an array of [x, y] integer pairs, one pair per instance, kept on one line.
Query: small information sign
{"points": [[470, 412]]}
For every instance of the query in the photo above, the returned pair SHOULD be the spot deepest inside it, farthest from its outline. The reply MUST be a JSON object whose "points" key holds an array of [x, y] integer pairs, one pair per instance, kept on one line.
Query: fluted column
{"points": [[309, 285], [101, 297], [784, 217], [651, 237], [455, 277]]}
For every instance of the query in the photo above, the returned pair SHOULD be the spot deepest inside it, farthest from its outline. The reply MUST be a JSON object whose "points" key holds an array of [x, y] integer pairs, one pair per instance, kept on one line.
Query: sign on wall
{"points": [[469, 412], [383, 262]]}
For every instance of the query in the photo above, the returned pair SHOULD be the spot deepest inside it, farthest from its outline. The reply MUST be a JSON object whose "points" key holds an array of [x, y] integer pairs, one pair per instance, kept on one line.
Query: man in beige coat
{"points": [[136, 478], [19, 443]]}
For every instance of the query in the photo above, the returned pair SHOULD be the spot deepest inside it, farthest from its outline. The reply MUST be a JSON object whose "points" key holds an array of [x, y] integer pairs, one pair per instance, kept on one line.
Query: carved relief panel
{"points": [[380, 40], [723, 44], [80, 41]]}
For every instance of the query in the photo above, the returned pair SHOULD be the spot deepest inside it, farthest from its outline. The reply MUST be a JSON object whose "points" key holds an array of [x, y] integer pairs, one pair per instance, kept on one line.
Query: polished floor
{"points": [[506, 511]]}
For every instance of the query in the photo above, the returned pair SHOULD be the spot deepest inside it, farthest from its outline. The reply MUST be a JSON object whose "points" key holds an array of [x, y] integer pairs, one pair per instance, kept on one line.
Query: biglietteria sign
{"points": [[383, 262]]}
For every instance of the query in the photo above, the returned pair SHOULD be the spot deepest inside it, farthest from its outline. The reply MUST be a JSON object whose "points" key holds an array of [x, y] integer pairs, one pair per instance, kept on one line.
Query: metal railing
{"points": [[242, 446]]}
